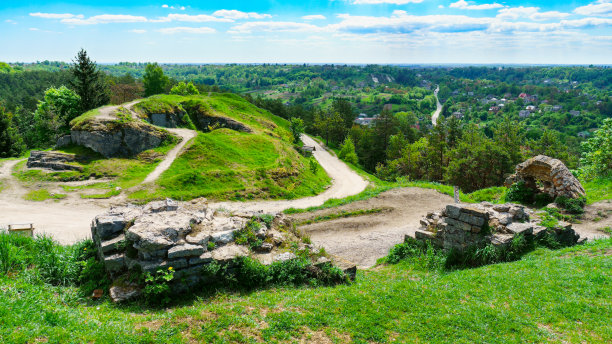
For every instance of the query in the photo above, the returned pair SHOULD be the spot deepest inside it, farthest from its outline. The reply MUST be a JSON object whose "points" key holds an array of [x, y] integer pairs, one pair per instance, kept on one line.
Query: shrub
{"points": [[347, 151], [420, 252], [519, 192], [314, 165], [572, 205]]}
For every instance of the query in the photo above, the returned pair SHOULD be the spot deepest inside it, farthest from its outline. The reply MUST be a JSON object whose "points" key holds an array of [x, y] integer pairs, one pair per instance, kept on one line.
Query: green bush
{"points": [[572, 205], [422, 253], [519, 192]]}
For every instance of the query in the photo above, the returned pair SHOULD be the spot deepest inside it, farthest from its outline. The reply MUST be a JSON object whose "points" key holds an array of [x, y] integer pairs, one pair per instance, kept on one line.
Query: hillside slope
{"points": [[240, 151]]}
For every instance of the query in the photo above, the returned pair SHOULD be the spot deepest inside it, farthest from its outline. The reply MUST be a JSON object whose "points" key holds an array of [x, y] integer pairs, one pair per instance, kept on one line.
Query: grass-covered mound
{"points": [[224, 163], [553, 296]]}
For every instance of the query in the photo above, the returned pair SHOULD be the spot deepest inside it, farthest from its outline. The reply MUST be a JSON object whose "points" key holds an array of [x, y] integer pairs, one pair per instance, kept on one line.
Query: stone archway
{"points": [[555, 178]]}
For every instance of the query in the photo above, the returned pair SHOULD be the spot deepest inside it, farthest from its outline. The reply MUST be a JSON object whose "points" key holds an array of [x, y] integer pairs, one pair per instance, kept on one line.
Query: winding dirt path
{"points": [[345, 182], [434, 117], [186, 135]]}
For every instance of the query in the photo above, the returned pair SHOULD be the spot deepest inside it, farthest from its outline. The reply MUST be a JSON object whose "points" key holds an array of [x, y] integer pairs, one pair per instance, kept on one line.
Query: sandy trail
{"points": [[186, 135], [345, 182], [364, 239], [434, 117], [67, 220], [106, 112]]}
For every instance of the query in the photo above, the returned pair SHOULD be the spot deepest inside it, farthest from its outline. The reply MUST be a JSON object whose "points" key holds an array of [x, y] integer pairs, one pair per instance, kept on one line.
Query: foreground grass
{"points": [[548, 296]]}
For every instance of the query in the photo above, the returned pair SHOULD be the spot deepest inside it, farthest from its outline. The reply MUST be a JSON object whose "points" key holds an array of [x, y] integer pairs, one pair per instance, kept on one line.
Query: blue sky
{"points": [[333, 31]]}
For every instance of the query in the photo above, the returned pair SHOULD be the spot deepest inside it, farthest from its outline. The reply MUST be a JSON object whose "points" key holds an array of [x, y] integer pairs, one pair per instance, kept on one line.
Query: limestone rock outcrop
{"points": [[115, 138], [459, 226], [53, 161], [555, 178]]}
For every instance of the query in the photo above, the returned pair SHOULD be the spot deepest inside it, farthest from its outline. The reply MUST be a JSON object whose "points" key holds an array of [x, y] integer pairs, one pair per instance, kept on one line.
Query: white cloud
{"points": [[164, 6], [182, 29], [105, 19], [10, 21], [274, 27], [236, 15], [56, 15], [532, 13], [599, 8], [314, 17], [138, 31], [393, 2], [465, 5], [34, 29], [198, 18]]}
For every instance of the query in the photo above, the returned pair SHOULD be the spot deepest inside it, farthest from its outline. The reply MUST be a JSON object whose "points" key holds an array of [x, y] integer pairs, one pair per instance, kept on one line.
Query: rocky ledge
{"points": [[53, 161], [459, 226]]}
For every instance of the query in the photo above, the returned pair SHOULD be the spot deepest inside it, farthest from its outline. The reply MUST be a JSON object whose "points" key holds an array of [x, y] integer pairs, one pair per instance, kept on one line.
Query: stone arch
{"points": [[555, 178]]}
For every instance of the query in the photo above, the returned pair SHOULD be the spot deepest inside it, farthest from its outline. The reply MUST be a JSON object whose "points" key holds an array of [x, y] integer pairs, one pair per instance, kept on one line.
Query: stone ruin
{"points": [[186, 237], [459, 226], [555, 178], [53, 161]]}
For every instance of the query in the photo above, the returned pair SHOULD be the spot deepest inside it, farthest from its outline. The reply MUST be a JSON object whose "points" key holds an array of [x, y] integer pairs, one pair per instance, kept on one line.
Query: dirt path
{"points": [[434, 117], [67, 220], [106, 112], [345, 182], [596, 217], [364, 239], [186, 135]]}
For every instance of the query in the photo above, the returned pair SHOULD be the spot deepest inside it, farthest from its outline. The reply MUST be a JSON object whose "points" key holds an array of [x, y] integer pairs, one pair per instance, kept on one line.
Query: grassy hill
{"points": [[220, 163]]}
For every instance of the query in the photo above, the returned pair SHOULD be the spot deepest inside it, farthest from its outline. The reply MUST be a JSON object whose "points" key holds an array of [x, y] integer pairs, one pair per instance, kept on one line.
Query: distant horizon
{"points": [[398, 32]]}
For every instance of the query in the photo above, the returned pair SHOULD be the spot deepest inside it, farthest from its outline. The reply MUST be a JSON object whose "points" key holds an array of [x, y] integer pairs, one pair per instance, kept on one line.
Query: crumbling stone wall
{"points": [[186, 237], [459, 226], [555, 177]]}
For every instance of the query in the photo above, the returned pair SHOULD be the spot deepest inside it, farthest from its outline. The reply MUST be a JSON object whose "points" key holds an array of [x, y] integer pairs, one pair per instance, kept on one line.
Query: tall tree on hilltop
{"points": [[11, 143], [154, 80], [88, 82]]}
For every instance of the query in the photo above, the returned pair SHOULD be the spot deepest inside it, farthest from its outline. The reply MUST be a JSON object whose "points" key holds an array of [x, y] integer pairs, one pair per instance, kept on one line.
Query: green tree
{"points": [[184, 89], [345, 109], [154, 80], [53, 115], [11, 143], [476, 162], [596, 160], [331, 126], [510, 135], [550, 144], [347, 151], [297, 128], [88, 82]]}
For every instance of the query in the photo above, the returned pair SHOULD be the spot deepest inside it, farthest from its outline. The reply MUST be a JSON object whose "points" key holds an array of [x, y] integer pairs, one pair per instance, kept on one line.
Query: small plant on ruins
{"points": [[519, 192], [157, 286], [246, 236], [210, 246]]}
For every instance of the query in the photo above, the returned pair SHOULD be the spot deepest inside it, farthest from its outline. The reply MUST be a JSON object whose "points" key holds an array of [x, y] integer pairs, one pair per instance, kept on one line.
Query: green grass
{"points": [[225, 164], [42, 195], [125, 172], [598, 190], [558, 296], [84, 117], [342, 214]]}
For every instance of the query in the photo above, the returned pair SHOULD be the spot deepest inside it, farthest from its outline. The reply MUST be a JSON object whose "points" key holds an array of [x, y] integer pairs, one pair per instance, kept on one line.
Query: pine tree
{"points": [[88, 82]]}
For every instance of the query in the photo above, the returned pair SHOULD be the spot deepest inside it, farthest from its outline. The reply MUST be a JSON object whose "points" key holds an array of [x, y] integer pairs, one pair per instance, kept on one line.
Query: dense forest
{"points": [[378, 117]]}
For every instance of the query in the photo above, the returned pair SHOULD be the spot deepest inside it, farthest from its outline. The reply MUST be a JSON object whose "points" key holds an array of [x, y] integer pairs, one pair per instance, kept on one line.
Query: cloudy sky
{"points": [[332, 31]]}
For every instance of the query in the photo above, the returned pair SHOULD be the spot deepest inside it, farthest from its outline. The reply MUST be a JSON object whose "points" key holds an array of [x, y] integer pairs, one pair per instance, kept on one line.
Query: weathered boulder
{"points": [[553, 175], [125, 292], [115, 138], [53, 160]]}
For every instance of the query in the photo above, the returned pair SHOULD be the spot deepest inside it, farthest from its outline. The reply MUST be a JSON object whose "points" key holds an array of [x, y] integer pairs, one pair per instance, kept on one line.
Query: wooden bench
{"points": [[26, 229]]}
